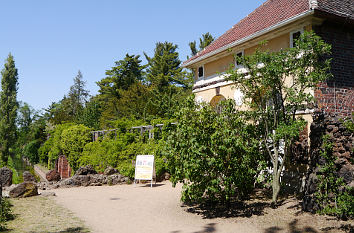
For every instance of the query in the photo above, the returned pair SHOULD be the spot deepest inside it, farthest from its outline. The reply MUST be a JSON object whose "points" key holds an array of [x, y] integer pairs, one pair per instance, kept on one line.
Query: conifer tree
{"points": [[78, 94], [164, 67], [8, 108], [204, 41]]}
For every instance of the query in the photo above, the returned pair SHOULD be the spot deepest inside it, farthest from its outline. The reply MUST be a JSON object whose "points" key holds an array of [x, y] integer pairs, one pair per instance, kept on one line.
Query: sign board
{"points": [[144, 167]]}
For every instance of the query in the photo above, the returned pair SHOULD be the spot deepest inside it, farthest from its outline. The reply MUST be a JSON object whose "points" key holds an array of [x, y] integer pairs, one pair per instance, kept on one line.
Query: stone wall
{"points": [[336, 95], [62, 167], [343, 145]]}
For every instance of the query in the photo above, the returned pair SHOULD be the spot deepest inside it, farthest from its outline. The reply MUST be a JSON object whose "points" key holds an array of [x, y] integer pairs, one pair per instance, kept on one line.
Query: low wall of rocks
{"points": [[342, 140]]}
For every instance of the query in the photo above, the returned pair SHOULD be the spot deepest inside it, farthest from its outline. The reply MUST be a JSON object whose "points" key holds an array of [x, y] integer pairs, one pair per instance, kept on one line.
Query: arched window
{"points": [[215, 102]]}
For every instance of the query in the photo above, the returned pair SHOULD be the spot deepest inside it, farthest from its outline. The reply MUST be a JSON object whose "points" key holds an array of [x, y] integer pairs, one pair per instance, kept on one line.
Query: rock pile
{"points": [[343, 145], [84, 176]]}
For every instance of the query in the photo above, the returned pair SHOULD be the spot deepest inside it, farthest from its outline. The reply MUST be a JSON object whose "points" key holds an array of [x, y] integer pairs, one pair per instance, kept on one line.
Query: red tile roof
{"points": [[271, 13]]}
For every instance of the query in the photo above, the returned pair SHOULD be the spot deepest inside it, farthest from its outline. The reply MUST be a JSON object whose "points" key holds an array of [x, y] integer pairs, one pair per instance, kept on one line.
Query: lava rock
{"points": [[48, 194], [25, 189], [27, 176], [98, 178], [110, 171], [86, 170], [82, 180], [52, 175], [6, 176], [69, 182]]}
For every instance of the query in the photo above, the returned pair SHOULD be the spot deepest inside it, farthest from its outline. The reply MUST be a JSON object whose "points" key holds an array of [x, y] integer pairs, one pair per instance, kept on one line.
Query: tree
{"points": [[78, 94], [8, 107], [276, 85], [121, 77], [164, 67], [91, 114], [204, 41]]}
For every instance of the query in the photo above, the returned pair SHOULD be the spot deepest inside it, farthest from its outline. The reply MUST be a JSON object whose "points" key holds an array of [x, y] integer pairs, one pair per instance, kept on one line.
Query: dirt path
{"points": [[40, 172], [129, 208]]}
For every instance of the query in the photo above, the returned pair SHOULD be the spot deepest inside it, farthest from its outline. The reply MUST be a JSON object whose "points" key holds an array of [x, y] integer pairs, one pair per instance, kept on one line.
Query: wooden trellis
{"points": [[142, 129]]}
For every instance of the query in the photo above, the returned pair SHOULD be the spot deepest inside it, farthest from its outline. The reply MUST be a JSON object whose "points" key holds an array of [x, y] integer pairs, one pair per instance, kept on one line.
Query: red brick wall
{"points": [[337, 94], [63, 167]]}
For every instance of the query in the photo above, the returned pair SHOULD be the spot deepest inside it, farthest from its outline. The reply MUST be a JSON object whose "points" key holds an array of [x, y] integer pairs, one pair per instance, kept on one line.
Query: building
{"points": [[280, 22]]}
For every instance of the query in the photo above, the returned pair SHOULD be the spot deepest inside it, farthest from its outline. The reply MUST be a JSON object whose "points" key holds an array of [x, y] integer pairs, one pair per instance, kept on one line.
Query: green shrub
{"points": [[332, 196], [54, 144], [5, 213], [215, 155], [72, 143]]}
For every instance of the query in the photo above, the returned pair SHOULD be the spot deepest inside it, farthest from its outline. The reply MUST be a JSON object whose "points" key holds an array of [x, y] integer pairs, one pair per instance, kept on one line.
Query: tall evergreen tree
{"points": [[8, 108], [127, 73], [164, 67], [204, 41], [78, 94]]}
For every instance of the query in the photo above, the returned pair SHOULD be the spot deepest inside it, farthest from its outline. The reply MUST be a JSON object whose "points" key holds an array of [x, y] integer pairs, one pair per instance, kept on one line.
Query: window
{"points": [[237, 55], [295, 35], [200, 72]]}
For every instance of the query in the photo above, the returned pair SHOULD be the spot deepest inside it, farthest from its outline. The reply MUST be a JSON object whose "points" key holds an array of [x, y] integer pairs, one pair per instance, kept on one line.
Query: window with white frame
{"points": [[238, 55], [295, 35], [200, 72]]}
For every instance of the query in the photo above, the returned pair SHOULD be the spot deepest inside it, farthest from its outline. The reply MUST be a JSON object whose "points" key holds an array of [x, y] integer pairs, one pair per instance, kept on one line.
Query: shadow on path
{"points": [[210, 227], [293, 228], [238, 209], [68, 230]]}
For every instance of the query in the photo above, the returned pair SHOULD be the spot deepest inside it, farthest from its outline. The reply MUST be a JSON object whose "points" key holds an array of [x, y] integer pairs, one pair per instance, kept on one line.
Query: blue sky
{"points": [[52, 40]]}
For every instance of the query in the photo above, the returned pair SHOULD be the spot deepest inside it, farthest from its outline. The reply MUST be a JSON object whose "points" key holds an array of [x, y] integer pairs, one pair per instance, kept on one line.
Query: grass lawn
{"points": [[42, 215]]}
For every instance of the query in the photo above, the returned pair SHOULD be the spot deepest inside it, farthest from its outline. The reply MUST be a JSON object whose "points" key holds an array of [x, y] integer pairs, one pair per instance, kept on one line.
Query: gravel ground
{"points": [[139, 208]]}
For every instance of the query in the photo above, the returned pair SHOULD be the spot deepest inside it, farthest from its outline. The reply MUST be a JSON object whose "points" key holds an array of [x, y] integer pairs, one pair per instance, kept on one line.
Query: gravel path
{"points": [[139, 208], [39, 171]]}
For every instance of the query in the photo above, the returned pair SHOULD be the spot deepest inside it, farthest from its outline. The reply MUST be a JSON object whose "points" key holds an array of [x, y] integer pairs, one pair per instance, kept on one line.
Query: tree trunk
{"points": [[275, 186]]}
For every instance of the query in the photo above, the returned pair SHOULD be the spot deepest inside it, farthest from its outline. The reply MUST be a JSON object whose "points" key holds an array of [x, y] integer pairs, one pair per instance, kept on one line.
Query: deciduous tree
{"points": [[276, 86]]}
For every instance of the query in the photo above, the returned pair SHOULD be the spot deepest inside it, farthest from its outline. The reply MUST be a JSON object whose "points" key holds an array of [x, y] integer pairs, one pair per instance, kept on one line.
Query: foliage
{"points": [[164, 67], [51, 149], [30, 151], [119, 148], [91, 114], [204, 41], [78, 94], [275, 86], [332, 195], [69, 108], [72, 143], [349, 123], [119, 78], [5, 213], [8, 108], [213, 154]]}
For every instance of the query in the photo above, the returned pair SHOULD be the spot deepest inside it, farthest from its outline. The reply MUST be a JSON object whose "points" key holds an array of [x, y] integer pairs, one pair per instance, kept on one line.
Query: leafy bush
{"points": [[5, 213], [333, 197], [72, 143], [55, 143], [214, 154]]}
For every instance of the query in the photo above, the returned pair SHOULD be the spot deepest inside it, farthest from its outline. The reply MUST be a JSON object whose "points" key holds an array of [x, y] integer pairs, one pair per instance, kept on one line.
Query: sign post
{"points": [[144, 167]]}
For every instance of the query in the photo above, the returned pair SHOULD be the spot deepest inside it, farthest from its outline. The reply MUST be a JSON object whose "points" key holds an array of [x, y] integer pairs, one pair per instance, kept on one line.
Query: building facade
{"points": [[280, 22]]}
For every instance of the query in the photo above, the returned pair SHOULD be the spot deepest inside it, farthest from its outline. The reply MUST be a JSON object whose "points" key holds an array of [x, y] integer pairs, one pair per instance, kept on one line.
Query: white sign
{"points": [[144, 167]]}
